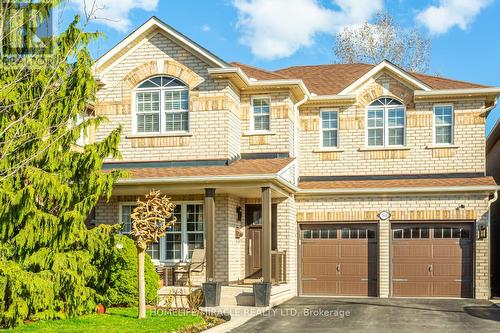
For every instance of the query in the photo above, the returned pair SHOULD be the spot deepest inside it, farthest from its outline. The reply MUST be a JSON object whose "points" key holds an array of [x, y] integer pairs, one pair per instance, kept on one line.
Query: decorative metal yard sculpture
{"points": [[150, 221]]}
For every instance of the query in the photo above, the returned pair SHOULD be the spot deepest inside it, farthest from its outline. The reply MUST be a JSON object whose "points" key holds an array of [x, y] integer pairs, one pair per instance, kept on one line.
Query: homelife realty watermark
{"points": [[26, 28]]}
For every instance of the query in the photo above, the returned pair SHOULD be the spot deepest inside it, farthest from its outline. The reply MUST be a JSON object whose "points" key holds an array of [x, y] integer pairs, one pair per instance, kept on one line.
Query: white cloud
{"points": [[114, 13], [278, 28], [449, 13], [205, 28]]}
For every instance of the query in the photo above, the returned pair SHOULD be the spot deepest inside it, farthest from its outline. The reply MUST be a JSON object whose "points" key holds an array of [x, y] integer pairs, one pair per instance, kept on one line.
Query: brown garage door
{"points": [[339, 260], [432, 260]]}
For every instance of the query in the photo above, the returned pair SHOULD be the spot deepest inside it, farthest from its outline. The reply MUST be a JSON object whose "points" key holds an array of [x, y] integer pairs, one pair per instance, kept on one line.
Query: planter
{"points": [[211, 293], [262, 293]]}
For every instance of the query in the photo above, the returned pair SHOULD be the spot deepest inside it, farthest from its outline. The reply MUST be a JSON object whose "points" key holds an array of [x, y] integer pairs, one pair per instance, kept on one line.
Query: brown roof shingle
{"points": [[240, 167], [332, 79], [397, 183]]}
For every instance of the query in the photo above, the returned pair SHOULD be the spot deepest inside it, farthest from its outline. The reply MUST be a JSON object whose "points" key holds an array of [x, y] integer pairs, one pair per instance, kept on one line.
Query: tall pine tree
{"points": [[51, 265]]}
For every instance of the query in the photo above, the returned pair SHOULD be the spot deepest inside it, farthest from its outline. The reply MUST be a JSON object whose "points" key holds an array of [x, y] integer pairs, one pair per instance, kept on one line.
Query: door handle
{"points": [[429, 268], [250, 247], [338, 268]]}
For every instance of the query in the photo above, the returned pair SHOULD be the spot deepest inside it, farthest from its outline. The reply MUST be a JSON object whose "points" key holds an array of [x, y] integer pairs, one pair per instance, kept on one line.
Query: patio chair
{"points": [[195, 265]]}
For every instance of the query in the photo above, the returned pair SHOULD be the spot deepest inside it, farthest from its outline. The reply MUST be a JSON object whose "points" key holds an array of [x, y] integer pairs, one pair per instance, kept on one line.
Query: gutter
{"points": [[470, 92], [448, 189], [492, 200], [207, 179]]}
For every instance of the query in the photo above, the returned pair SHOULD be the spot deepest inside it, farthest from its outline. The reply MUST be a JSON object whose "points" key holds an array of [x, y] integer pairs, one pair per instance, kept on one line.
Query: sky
{"points": [[273, 34]]}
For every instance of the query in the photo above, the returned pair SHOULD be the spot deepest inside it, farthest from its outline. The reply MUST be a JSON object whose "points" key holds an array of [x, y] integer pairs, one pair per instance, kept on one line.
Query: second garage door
{"points": [[339, 260], [432, 260]]}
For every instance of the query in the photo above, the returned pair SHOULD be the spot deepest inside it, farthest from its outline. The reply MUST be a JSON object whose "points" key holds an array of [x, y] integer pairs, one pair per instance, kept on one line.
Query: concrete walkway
{"points": [[308, 314]]}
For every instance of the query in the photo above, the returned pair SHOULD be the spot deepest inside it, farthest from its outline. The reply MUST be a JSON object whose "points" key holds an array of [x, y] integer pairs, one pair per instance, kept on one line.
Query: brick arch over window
{"points": [[170, 68], [376, 90]]}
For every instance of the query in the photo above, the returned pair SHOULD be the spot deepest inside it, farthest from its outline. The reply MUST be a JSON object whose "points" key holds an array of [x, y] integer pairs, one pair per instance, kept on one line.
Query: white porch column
{"points": [[266, 234], [209, 220]]}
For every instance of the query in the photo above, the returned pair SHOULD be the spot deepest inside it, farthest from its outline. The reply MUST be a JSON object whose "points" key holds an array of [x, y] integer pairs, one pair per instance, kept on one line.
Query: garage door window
{"points": [[451, 232], [327, 233], [411, 233], [357, 233]]}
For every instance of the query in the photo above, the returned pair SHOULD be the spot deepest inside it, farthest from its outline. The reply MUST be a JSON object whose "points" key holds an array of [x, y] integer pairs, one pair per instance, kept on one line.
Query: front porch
{"points": [[245, 228]]}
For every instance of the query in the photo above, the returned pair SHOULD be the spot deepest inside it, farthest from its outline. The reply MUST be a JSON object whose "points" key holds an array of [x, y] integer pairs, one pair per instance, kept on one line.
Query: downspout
{"points": [[296, 135], [490, 201]]}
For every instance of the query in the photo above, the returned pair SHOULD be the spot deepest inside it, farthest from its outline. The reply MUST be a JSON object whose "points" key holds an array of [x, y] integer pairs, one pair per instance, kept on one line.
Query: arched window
{"points": [[161, 106], [385, 123]]}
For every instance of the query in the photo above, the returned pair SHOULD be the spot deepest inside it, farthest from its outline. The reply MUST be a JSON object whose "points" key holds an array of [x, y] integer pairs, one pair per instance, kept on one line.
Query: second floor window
{"points": [[261, 110], [161, 106], [329, 129], [443, 124], [385, 123]]}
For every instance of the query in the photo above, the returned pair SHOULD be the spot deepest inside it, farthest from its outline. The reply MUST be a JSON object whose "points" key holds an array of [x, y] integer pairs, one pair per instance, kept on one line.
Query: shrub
{"points": [[121, 289]]}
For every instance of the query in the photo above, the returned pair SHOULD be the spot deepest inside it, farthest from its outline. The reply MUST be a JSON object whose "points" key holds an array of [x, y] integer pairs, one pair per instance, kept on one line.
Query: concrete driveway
{"points": [[314, 314]]}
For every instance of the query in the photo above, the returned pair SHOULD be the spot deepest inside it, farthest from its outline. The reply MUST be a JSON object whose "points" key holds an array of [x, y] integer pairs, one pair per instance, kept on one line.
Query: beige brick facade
{"points": [[220, 128]]}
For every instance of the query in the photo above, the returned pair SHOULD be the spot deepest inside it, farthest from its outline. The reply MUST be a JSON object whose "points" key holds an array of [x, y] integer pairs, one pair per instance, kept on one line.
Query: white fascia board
{"points": [[385, 65], [154, 21], [448, 189], [332, 97], [207, 179], [469, 91], [259, 83]]}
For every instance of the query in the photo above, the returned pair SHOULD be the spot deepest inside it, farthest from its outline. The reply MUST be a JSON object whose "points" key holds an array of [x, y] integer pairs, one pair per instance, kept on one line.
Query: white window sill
{"points": [[450, 146], [157, 135], [384, 148], [252, 133], [328, 150]]}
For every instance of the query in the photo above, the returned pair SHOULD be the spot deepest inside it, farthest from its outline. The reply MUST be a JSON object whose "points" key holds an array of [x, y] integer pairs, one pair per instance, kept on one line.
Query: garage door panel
{"points": [[401, 249], [405, 270], [342, 265], [450, 289], [320, 287], [411, 289], [318, 269], [433, 260], [325, 250]]}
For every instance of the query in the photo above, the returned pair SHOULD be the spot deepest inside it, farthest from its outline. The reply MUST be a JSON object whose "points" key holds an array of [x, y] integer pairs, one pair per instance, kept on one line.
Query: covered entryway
{"points": [[432, 260], [339, 260]]}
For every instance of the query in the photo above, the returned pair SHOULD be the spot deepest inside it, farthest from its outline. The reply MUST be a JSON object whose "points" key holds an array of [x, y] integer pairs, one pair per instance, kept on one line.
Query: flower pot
{"points": [[262, 293], [211, 293]]}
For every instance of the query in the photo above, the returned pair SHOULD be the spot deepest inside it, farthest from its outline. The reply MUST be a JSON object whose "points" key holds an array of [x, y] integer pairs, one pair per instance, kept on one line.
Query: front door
{"points": [[253, 225]]}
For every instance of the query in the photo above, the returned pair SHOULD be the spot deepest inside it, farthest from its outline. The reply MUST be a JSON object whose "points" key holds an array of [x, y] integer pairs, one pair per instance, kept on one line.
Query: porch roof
{"points": [[237, 168]]}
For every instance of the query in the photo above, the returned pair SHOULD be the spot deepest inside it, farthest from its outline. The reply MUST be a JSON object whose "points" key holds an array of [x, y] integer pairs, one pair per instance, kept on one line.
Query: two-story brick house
{"points": [[335, 179]]}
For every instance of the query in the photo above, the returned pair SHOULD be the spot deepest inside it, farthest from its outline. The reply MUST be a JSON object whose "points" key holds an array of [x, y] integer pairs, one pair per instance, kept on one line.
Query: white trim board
{"points": [[154, 22]]}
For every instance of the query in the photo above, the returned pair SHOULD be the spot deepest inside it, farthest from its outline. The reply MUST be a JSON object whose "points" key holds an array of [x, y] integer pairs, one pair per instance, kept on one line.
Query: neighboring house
{"points": [[352, 180], [493, 169]]}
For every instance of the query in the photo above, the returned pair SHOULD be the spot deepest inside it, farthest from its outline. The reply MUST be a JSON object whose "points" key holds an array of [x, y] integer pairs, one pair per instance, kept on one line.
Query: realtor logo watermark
{"points": [[251, 312], [27, 28]]}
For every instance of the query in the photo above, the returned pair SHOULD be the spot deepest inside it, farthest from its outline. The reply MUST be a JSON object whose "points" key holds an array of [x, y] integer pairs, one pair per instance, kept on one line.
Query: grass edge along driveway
{"points": [[116, 320]]}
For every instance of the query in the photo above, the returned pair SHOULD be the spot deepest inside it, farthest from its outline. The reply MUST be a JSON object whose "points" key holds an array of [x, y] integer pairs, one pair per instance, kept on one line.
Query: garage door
{"points": [[339, 260], [432, 260]]}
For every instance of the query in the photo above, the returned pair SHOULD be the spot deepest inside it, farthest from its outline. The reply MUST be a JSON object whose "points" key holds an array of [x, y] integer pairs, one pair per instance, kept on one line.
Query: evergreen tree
{"points": [[51, 265]]}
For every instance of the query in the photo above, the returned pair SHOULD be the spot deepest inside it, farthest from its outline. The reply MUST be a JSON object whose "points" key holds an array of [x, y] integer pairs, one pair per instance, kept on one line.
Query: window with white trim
{"points": [[385, 123], [261, 110], [329, 129], [443, 124], [185, 235], [161, 106]]}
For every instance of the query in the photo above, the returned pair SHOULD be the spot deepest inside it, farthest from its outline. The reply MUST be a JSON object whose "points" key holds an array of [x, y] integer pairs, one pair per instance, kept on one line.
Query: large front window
{"points": [[185, 235], [161, 106], [385, 123]]}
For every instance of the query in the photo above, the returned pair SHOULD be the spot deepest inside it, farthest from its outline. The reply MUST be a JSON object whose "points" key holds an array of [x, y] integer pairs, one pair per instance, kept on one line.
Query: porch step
{"points": [[236, 296]]}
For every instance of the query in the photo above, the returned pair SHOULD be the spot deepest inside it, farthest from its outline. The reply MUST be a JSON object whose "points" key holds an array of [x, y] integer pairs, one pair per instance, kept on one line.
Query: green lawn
{"points": [[119, 320]]}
